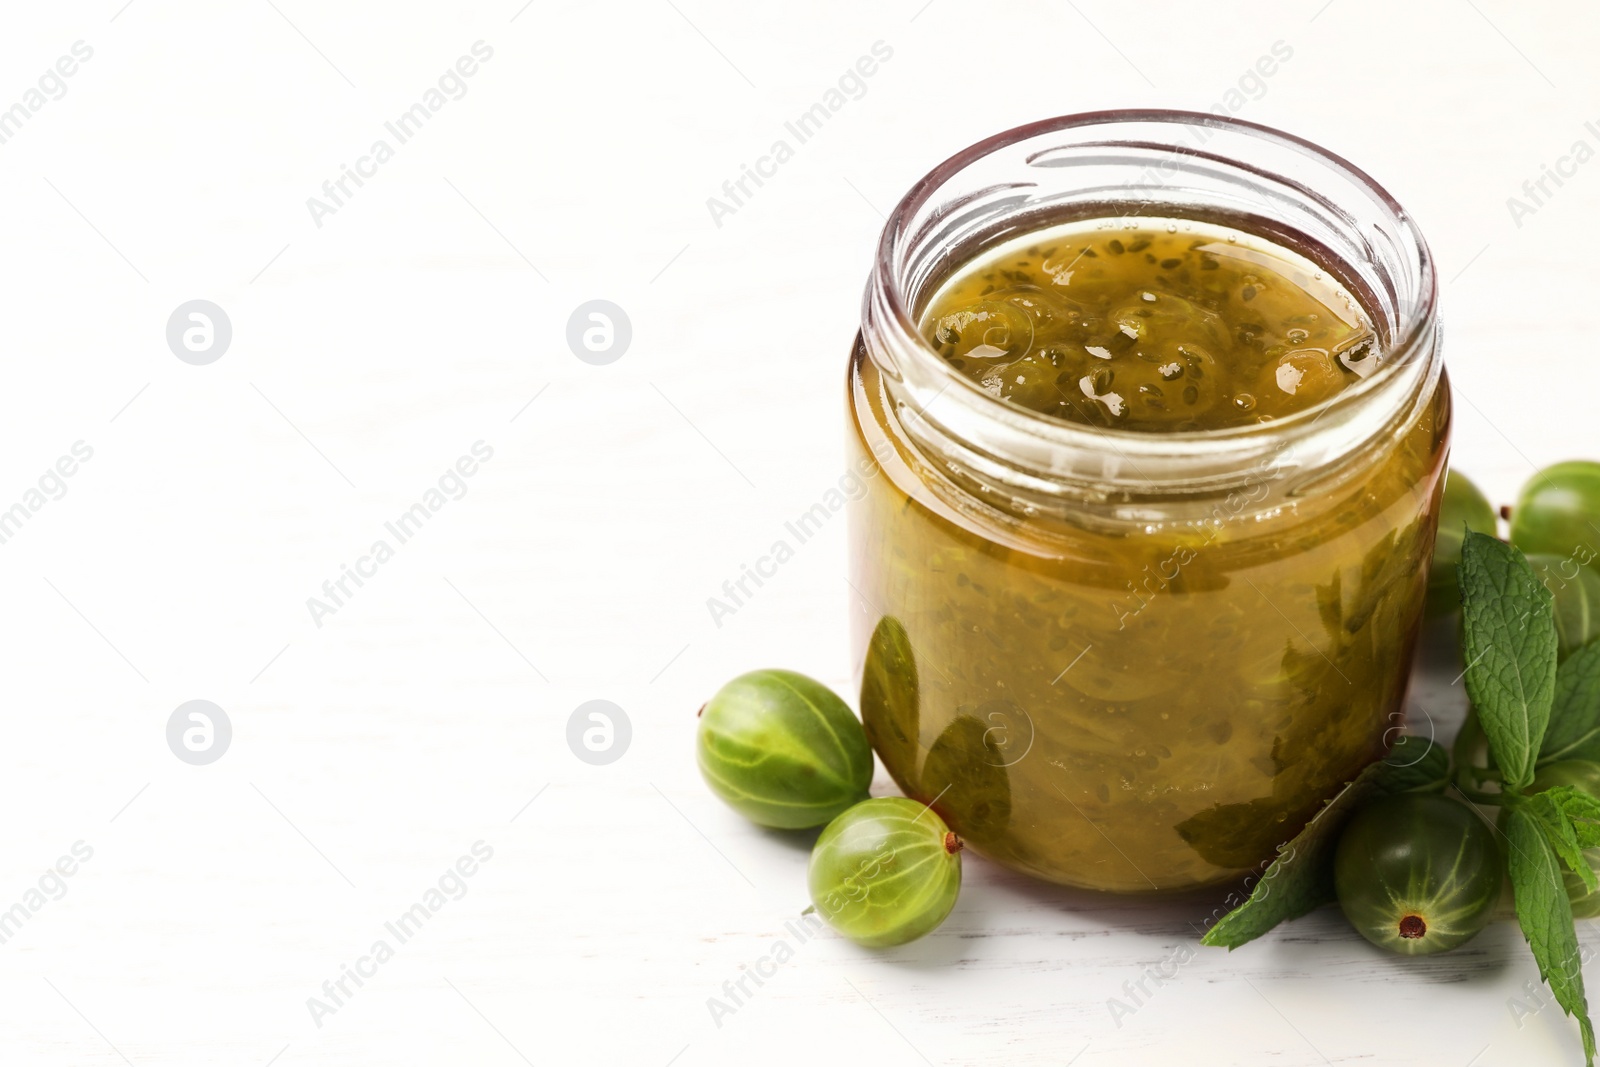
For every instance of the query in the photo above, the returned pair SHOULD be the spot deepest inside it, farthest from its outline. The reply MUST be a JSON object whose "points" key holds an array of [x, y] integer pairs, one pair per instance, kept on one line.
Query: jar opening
{"points": [[1161, 164]]}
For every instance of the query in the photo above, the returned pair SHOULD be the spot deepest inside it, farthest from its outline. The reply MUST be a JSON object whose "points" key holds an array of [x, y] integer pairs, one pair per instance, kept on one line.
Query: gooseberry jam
{"points": [[1126, 645], [1164, 326]]}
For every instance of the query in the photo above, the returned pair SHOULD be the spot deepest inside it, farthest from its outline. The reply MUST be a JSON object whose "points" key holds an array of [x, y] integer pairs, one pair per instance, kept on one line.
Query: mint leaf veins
{"points": [[1509, 633]]}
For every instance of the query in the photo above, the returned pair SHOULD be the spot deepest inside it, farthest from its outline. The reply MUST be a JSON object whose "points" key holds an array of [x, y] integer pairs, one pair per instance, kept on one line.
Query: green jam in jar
{"points": [[1161, 326], [1146, 693]]}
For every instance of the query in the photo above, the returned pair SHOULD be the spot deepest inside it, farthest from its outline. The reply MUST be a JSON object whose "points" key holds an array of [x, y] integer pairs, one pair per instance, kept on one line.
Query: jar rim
{"points": [[1414, 333]]}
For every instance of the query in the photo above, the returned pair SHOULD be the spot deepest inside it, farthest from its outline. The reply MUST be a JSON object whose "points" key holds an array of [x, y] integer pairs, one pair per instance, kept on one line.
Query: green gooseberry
{"points": [[886, 872], [783, 750], [1583, 775], [1585, 905], [1461, 507], [1577, 593], [1559, 513], [1417, 873]]}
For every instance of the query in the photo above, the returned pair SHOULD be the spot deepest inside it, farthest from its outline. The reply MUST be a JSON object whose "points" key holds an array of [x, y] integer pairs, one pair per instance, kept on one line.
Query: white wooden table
{"points": [[428, 711]]}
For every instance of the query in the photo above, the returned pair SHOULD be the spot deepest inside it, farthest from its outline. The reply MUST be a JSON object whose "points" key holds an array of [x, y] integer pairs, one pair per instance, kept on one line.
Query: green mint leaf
{"points": [[1509, 631], [1574, 731], [1546, 917], [1547, 808], [1300, 879], [1581, 810]]}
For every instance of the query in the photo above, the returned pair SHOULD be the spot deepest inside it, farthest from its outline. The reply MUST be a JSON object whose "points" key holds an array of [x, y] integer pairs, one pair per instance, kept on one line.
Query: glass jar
{"points": [[1137, 661]]}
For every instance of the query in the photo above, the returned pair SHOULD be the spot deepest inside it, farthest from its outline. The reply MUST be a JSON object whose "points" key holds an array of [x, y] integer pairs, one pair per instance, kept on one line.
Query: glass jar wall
{"points": [[1124, 660]]}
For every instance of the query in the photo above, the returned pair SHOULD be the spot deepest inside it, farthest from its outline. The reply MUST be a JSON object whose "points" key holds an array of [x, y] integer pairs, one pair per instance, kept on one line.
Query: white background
{"points": [[372, 351]]}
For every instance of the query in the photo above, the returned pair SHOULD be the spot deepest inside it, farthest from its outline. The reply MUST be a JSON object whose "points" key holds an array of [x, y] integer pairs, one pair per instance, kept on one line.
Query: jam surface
{"points": [[1154, 325]]}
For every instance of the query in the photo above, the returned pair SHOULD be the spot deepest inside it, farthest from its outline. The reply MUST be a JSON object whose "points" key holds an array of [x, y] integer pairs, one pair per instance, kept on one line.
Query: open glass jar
{"points": [[1136, 661]]}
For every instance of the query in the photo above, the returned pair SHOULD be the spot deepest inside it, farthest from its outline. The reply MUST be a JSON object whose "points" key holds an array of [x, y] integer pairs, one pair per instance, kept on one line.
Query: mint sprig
{"points": [[1509, 638], [1509, 630], [1532, 715]]}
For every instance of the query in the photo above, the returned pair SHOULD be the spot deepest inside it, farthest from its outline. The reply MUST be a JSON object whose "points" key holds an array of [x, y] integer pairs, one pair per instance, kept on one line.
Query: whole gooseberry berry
{"points": [[1559, 513], [783, 750], [1577, 593], [885, 872], [1417, 873], [1462, 507], [1581, 774]]}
